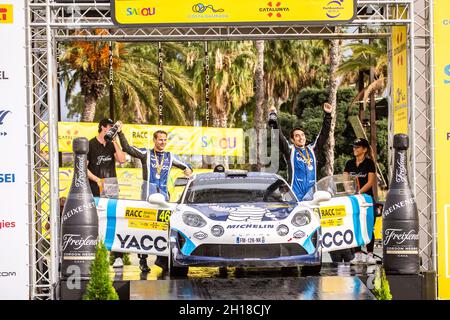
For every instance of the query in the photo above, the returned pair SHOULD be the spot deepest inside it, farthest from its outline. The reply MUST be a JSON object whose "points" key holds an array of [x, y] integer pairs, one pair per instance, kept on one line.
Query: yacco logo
{"points": [[141, 11], [200, 8], [274, 9], [6, 13], [3, 114], [333, 8]]}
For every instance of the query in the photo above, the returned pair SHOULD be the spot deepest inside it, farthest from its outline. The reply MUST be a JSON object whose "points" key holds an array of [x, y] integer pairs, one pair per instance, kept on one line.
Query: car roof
{"points": [[233, 174]]}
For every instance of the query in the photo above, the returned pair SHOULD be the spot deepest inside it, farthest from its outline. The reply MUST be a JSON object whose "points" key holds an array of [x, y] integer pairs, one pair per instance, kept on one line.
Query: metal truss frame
{"points": [[50, 22]]}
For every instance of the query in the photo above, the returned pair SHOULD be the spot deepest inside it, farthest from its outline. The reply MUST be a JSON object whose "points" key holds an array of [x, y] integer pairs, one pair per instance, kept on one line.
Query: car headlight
{"points": [[282, 230], [193, 220], [301, 218], [217, 231]]}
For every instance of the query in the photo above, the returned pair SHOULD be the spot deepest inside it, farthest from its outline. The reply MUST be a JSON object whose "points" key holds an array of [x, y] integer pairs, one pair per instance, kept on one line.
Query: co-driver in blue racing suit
{"points": [[156, 165], [299, 156]]}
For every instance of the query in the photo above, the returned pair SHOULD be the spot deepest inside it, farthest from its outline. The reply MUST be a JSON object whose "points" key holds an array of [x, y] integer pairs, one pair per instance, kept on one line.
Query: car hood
{"points": [[250, 212]]}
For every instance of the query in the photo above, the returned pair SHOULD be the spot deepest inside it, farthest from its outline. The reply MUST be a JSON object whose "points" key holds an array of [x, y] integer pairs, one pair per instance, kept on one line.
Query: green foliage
{"points": [[125, 259], [382, 146], [100, 284], [382, 290]]}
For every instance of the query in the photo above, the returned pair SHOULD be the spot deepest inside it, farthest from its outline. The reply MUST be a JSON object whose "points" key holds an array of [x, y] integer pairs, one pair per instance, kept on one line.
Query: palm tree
{"points": [[231, 76], [291, 65], [135, 83], [363, 57], [335, 80], [138, 83], [259, 119], [86, 63]]}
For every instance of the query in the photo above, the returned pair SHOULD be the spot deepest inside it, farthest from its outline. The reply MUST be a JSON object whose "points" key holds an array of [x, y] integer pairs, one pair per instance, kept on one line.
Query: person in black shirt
{"points": [[362, 167], [101, 159], [102, 156]]}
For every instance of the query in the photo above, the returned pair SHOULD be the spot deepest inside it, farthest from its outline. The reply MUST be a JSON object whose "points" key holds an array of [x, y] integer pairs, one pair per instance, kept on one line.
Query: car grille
{"points": [[241, 251]]}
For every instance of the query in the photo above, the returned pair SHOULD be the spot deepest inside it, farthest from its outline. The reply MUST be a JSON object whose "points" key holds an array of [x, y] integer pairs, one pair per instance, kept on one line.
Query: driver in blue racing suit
{"points": [[300, 156], [156, 165]]}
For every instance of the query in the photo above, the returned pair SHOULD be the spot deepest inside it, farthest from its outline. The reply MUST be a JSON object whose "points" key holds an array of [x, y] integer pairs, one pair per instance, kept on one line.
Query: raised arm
{"points": [[283, 142], [131, 150], [324, 133]]}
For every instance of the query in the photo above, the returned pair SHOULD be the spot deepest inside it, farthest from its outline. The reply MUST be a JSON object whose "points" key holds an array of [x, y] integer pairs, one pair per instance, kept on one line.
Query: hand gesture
{"points": [[328, 108], [272, 109], [187, 172]]}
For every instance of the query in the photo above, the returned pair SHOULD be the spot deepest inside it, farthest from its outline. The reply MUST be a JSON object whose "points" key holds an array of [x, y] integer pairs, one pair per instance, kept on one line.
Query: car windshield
{"points": [[229, 190]]}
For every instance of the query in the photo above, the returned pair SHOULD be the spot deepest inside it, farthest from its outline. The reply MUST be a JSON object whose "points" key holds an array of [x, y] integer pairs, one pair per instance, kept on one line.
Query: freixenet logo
{"points": [[274, 9], [3, 114], [6, 13]]}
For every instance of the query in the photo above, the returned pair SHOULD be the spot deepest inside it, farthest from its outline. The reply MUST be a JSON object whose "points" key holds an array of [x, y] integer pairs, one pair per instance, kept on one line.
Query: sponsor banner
{"points": [[345, 223], [181, 139], [235, 12], [442, 141], [14, 235], [130, 181], [126, 226], [400, 79]]}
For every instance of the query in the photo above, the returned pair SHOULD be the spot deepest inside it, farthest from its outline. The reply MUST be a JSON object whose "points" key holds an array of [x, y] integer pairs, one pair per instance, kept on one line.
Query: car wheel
{"points": [[223, 271], [311, 270], [176, 271]]}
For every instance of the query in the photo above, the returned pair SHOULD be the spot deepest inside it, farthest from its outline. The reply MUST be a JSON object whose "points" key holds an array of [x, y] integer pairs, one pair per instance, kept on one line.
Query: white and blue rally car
{"points": [[238, 219]]}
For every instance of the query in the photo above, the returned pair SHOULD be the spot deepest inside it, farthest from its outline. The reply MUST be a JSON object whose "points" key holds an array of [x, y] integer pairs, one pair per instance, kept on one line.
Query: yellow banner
{"points": [[6, 13], [442, 141], [181, 139], [400, 79], [213, 12]]}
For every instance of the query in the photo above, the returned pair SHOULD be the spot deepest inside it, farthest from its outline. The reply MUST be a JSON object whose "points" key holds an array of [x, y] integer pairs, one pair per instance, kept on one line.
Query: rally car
{"points": [[238, 218], [242, 219]]}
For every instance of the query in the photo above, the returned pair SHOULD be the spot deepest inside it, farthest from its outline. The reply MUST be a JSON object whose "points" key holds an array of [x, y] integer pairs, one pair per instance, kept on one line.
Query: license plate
{"points": [[250, 240]]}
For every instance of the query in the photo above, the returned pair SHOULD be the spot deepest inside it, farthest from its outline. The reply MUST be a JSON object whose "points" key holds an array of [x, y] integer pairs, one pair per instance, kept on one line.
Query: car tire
{"points": [[311, 270], [223, 271], [176, 271]]}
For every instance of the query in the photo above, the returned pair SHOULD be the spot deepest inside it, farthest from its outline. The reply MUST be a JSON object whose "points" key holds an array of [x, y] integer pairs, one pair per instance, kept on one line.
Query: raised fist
{"points": [[327, 107]]}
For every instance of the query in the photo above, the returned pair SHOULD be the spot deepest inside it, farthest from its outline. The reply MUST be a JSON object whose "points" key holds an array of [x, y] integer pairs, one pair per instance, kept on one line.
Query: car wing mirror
{"points": [[320, 196], [158, 199]]}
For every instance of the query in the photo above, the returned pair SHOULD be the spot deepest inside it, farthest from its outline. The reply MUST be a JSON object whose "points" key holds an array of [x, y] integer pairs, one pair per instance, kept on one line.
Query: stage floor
{"points": [[336, 282]]}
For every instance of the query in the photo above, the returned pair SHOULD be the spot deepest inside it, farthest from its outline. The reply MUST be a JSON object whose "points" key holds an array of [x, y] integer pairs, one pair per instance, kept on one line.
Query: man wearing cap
{"points": [[102, 156], [362, 167], [300, 156]]}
